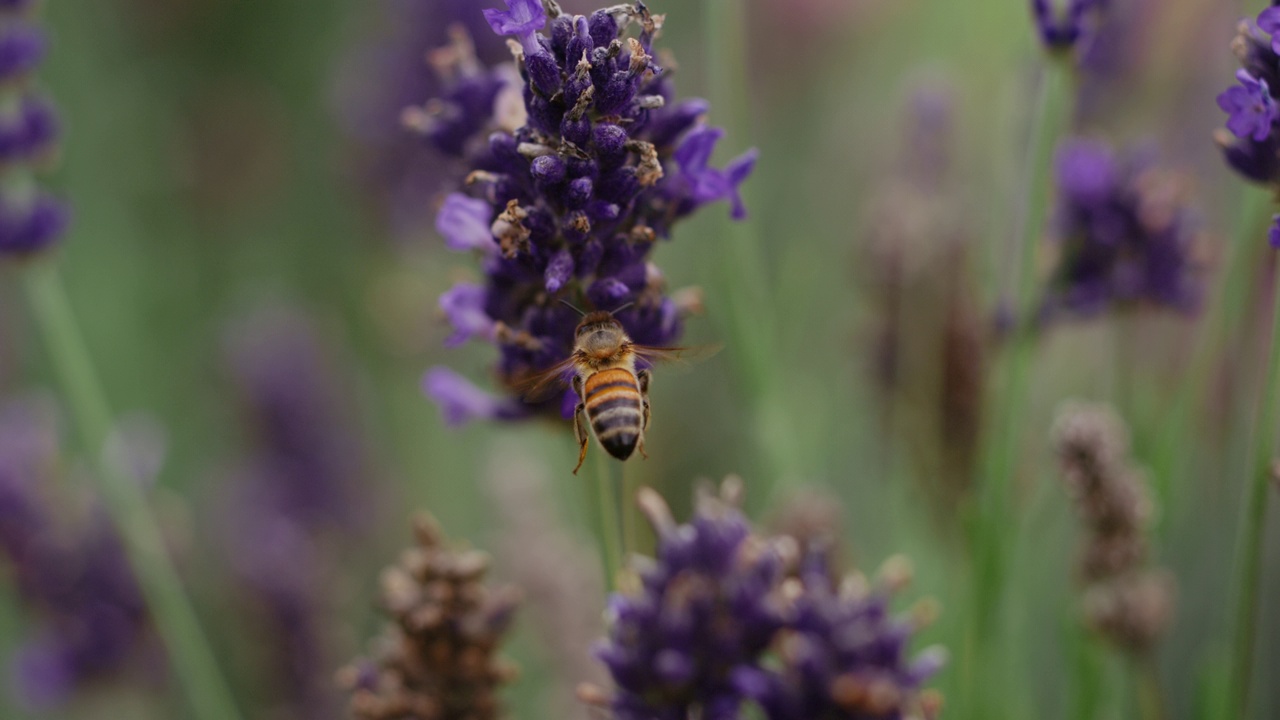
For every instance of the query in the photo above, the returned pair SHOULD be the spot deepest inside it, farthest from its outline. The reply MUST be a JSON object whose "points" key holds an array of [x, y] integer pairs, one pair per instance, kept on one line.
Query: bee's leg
{"points": [[644, 376], [579, 431]]}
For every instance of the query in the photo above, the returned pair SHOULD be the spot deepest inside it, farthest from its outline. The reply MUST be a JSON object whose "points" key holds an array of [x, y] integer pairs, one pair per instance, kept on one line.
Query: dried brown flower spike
{"points": [[438, 659], [1125, 600]]}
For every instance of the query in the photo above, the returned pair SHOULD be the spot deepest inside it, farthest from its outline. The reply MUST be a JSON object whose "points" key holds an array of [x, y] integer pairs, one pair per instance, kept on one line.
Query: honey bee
{"points": [[613, 396]]}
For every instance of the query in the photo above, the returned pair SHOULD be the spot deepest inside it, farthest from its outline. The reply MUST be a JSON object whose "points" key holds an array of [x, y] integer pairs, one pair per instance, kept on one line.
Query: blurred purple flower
{"points": [[22, 47], [1062, 31], [1251, 108], [1125, 233], [578, 184], [89, 615], [305, 479], [30, 221], [464, 222], [461, 402], [463, 305], [388, 73]]}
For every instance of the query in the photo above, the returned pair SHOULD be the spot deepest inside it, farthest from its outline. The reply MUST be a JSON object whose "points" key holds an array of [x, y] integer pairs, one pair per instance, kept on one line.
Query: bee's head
{"points": [[600, 334]]}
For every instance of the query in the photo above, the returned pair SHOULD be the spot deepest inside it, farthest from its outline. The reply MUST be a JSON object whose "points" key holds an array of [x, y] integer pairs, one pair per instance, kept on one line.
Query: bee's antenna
{"points": [[624, 307], [572, 307]]}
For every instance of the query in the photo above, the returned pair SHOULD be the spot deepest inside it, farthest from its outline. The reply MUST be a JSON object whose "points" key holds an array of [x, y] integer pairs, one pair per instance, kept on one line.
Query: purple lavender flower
{"points": [[1251, 108], [577, 184], [1250, 145], [689, 643], [1124, 232], [846, 655], [303, 481], [30, 221], [1062, 31]]}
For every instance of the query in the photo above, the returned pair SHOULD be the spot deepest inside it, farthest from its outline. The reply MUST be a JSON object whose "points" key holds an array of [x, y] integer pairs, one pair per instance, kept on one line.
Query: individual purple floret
{"points": [[689, 643], [846, 656], [1251, 108], [1124, 233], [576, 171]]}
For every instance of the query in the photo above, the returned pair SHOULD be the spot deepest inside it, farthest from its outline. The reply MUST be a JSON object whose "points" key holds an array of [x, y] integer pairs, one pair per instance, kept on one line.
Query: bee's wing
{"points": [[683, 355], [539, 386]]}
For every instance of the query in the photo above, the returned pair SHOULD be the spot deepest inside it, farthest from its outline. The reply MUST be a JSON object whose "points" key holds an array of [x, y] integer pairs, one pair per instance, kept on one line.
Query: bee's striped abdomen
{"points": [[613, 405]]}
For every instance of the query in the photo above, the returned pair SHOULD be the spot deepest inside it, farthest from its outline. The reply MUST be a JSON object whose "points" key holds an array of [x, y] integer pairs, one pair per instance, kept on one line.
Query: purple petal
{"points": [[464, 223], [460, 400], [1274, 236], [463, 305]]}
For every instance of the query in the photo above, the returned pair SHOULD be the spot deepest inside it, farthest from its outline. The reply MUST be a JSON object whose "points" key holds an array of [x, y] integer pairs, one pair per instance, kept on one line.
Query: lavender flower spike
{"points": [[1252, 110], [522, 20], [690, 642], [575, 189]]}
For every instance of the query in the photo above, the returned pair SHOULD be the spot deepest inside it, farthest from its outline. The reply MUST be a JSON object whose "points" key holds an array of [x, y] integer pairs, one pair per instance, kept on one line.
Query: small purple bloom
{"points": [[461, 401], [1269, 22], [464, 223], [1274, 235], [22, 47], [522, 20], [1250, 106], [701, 184], [28, 132], [30, 227], [463, 305]]}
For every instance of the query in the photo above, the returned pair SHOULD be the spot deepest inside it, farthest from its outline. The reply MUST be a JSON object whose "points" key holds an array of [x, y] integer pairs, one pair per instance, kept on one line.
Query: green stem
{"points": [[1221, 323], [752, 327], [1000, 462], [1146, 682], [608, 478], [125, 500], [1249, 550]]}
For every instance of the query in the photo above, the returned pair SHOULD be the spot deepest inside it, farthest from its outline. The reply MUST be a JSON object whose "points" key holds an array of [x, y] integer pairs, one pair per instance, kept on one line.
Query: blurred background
{"points": [[254, 264]]}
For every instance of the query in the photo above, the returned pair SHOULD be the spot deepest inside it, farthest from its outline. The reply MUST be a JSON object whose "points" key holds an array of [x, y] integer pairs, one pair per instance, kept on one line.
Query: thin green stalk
{"points": [[193, 660], [1249, 550], [744, 284], [1000, 459], [1221, 323], [605, 486], [1146, 683]]}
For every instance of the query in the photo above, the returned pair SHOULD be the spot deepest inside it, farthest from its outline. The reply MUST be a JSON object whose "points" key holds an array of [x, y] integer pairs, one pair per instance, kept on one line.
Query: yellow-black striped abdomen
{"points": [[614, 408]]}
